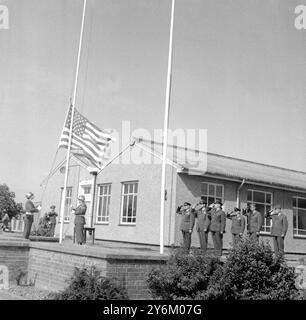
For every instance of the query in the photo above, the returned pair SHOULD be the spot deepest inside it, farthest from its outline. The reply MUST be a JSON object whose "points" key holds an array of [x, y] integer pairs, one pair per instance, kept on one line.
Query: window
{"points": [[211, 192], [299, 216], [68, 201], [104, 194], [129, 202], [263, 201], [87, 189]]}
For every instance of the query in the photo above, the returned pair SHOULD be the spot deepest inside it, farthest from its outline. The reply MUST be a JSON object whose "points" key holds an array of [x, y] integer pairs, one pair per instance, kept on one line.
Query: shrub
{"points": [[89, 284], [251, 272], [183, 277]]}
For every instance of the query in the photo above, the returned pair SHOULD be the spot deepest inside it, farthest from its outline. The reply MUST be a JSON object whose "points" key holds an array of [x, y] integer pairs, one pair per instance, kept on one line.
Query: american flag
{"points": [[87, 137]]}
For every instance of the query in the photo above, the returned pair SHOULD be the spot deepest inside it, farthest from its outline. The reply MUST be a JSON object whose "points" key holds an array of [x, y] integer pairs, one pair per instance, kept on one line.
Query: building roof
{"points": [[195, 162]]}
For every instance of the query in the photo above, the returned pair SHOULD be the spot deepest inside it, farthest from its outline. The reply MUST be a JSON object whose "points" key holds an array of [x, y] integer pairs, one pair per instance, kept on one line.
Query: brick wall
{"points": [[51, 266], [15, 257], [51, 269], [132, 273]]}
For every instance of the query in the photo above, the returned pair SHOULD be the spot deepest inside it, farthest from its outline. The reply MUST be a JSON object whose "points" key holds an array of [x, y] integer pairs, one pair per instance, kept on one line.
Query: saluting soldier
{"points": [[238, 225], [254, 222], [185, 212], [279, 228], [30, 209], [52, 218], [79, 220], [201, 213], [217, 227]]}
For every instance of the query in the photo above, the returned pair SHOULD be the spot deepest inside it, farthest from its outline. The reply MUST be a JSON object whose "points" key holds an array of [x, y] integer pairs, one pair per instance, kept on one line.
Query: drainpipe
{"points": [[238, 193]]}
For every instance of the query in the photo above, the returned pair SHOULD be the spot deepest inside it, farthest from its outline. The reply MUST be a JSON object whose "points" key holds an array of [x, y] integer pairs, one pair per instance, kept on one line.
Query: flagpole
{"points": [[71, 125], [165, 133]]}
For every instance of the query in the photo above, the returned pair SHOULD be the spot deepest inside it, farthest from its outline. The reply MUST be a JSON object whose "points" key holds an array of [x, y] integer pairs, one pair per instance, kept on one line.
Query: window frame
{"points": [[98, 197], [65, 215], [265, 204], [85, 188], [297, 235], [123, 183], [215, 187]]}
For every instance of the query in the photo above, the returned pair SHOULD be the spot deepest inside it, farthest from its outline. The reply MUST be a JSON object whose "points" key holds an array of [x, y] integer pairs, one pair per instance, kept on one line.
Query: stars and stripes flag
{"points": [[87, 137]]}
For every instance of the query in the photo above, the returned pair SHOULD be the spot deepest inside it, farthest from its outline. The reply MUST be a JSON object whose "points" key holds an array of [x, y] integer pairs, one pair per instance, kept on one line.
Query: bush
{"points": [[183, 277], [89, 284], [252, 273]]}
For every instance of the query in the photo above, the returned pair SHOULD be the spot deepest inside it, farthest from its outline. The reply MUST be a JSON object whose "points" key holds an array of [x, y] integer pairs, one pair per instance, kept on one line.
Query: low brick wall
{"points": [[50, 270], [132, 274], [15, 256], [51, 265]]}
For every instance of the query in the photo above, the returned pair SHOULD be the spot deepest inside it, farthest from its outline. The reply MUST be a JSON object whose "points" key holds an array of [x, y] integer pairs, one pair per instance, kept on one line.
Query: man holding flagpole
{"points": [[79, 220]]}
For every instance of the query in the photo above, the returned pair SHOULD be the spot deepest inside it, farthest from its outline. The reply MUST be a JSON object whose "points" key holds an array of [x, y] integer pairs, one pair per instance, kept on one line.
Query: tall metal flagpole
{"points": [[71, 125], [165, 134]]}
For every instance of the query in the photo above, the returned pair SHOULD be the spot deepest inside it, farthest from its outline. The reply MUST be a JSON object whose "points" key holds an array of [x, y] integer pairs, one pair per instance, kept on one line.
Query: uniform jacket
{"points": [[254, 221], [185, 213], [279, 224], [30, 208], [5, 218], [238, 223], [202, 216], [52, 216], [217, 222], [80, 214]]}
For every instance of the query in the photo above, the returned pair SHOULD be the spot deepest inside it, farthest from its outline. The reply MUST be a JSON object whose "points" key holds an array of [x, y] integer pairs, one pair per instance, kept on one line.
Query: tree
{"points": [[7, 201]]}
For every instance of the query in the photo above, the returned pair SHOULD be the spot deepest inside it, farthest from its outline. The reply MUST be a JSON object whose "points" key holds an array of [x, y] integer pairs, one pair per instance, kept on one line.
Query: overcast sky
{"points": [[238, 71]]}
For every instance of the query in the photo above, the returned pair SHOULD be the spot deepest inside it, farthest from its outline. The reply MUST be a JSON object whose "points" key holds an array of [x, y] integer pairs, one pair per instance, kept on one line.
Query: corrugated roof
{"points": [[196, 162]]}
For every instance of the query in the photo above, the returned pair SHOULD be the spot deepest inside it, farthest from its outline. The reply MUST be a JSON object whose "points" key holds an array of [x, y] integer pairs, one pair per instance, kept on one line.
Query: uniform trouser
{"points": [[187, 239], [79, 232], [52, 229], [278, 243], [203, 238], [28, 220], [217, 238], [254, 236], [236, 238]]}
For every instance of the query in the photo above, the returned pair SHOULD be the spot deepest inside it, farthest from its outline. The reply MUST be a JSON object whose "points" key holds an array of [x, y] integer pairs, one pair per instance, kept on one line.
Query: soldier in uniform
{"points": [[5, 220], [238, 225], [79, 220], [217, 227], [279, 228], [185, 211], [30, 209], [254, 222], [52, 218], [201, 213]]}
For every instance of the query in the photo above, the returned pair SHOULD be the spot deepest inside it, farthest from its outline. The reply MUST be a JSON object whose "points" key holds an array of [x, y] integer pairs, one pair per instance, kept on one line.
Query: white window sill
{"points": [[299, 236]]}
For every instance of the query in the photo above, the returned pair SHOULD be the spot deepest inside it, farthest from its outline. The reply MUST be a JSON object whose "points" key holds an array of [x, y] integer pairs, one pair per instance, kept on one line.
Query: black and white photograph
{"points": [[154, 151]]}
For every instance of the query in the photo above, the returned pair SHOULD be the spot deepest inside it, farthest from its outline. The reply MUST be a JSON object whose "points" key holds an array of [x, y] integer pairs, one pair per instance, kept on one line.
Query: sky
{"points": [[238, 71]]}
